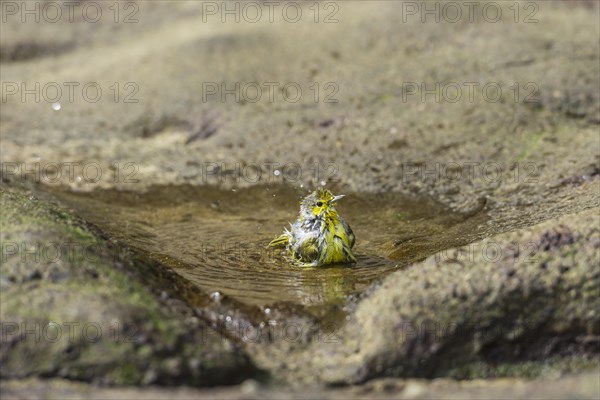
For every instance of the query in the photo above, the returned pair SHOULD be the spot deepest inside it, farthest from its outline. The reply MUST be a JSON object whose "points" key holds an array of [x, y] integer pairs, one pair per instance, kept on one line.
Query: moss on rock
{"points": [[79, 312], [500, 307]]}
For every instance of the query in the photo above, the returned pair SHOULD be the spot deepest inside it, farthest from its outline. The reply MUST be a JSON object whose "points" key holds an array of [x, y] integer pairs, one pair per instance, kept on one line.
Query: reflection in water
{"points": [[217, 239]]}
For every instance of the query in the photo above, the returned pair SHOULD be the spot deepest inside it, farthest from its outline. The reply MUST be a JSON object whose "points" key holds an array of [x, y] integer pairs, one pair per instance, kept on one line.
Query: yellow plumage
{"points": [[320, 236]]}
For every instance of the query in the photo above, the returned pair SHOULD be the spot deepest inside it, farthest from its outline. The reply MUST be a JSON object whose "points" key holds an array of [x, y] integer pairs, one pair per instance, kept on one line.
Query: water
{"points": [[217, 238]]}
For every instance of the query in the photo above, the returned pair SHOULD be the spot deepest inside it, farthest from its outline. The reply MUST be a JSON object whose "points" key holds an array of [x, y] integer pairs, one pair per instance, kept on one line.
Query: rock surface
{"points": [[488, 309], [583, 386], [521, 303], [73, 307]]}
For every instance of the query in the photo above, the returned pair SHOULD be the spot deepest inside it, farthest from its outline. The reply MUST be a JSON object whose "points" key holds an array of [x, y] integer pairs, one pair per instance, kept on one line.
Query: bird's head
{"points": [[319, 203]]}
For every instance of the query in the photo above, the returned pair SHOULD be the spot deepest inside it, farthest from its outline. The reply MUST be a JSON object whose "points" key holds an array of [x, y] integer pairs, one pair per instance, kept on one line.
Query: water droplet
{"points": [[228, 318], [267, 311], [56, 106], [277, 172]]}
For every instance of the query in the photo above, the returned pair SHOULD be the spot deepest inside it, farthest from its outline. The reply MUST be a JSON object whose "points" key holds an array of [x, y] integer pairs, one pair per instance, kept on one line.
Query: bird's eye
{"points": [[319, 203]]}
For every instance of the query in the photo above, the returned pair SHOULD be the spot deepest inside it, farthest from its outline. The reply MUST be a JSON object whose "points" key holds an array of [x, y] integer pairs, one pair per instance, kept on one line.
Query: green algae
{"points": [[88, 315]]}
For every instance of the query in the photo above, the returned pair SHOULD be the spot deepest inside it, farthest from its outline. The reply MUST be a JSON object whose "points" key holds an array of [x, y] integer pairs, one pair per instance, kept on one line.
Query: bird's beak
{"points": [[336, 198]]}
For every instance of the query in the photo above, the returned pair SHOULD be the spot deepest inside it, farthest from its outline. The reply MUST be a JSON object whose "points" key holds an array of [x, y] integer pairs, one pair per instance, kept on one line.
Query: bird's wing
{"points": [[351, 237]]}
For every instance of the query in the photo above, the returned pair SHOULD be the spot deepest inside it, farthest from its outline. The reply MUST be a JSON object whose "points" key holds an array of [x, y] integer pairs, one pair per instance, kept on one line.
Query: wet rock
{"points": [[57, 320], [446, 315], [542, 136]]}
